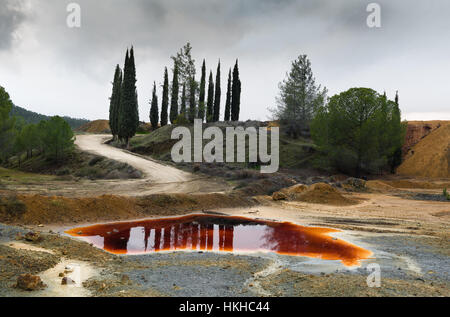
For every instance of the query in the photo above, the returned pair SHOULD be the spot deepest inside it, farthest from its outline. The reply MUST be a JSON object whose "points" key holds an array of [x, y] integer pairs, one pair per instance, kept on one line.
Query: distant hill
{"points": [[33, 117]]}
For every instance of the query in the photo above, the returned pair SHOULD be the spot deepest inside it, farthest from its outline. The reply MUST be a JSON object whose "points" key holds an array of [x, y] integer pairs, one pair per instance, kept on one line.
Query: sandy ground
{"points": [[409, 240]]}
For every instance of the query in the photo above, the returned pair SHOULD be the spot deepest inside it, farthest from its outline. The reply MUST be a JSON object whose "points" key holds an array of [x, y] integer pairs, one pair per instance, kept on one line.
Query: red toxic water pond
{"points": [[220, 233]]}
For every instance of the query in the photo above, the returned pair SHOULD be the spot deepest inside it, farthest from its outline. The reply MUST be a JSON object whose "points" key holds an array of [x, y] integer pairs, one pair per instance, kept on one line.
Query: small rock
{"points": [[33, 236], [61, 274], [278, 196], [67, 281], [30, 282], [125, 279], [115, 230], [68, 269]]}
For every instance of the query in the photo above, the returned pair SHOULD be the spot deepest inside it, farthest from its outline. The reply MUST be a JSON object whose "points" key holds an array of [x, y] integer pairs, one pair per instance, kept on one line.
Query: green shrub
{"points": [[181, 120], [95, 160], [63, 172], [12, 206], [90, 172]]}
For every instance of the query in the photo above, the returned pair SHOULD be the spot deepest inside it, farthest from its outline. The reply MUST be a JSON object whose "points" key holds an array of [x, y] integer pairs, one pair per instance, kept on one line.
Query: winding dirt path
{"points": [[159, 178], [154, 171]]}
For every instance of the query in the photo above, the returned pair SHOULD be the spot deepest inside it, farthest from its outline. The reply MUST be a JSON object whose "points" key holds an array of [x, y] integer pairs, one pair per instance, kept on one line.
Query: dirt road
{"points": [[156, 172], [158, 178]]}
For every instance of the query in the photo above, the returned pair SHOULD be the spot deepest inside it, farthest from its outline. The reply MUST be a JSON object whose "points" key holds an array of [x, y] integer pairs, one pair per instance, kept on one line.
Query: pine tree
{"points": [[217, 95], [210, 103], [228, 101], [115, 102], [236, 94], [165, 100], [175, 92], [154, 111], [128, 113], [201, 101], [300, 96], [183, 102], [185, 63]]}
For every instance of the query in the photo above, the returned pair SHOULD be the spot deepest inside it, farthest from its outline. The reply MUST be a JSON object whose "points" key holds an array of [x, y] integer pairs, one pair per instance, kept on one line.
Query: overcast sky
{"points": [[53, 69]]}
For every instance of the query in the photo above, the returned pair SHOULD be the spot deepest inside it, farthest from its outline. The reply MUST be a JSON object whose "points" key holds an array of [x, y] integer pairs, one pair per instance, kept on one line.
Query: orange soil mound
{"points": [[296, 189], [98, 126], [379, 186], [322, 193], [430, 157], [62, 210]]}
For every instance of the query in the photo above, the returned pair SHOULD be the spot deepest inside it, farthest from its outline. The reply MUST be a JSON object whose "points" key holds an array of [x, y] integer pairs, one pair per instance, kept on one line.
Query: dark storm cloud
{"points": [[11, 17], [408, 53]]}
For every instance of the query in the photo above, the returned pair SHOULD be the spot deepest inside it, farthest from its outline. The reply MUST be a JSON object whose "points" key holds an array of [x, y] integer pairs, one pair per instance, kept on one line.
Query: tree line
{"points": [[357, 131], [33, 117], [183, 99], [53, 138]]}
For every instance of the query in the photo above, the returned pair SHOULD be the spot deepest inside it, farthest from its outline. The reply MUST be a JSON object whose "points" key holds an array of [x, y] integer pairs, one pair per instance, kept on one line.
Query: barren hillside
{"points": [[430, 157]]}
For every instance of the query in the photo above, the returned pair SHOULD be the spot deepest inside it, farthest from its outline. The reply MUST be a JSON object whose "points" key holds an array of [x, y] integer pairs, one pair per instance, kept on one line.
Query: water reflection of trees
{"points": [[177, 236]]}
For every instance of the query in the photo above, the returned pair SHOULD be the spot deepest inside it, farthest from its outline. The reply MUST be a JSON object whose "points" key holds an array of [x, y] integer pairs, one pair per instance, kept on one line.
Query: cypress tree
{"points": [[228, 101], [201, 101], [236, 94], [397, 136], [192, 105], [165, 100], [115, 102], [217, 96], [183, 102], [210, 103], [154, 111], [128, 114], [175, 92]]}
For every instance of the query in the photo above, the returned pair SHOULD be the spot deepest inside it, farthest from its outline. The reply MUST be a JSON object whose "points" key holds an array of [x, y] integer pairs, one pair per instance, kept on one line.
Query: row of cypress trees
{"points": [[207, 106], [123, 110], [124, 114]]}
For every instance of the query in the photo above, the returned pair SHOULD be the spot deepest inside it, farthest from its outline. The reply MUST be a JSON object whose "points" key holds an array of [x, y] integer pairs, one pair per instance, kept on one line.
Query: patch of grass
{"points": [[14, 176], [446, 194], [90, 172], [57, 203]]}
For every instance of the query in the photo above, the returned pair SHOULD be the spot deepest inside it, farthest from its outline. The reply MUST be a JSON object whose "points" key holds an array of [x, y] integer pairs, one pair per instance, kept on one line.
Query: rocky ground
{"points": [[404, 222], [413, 256]]}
